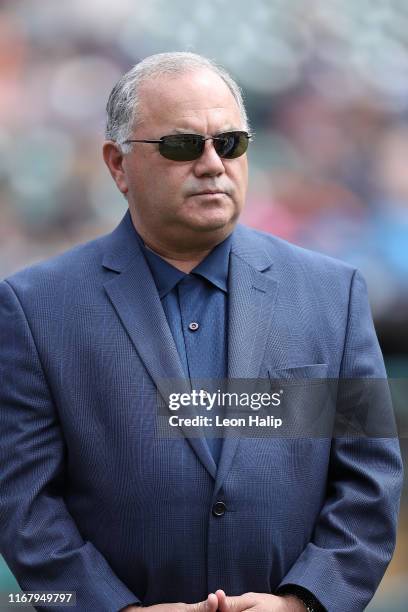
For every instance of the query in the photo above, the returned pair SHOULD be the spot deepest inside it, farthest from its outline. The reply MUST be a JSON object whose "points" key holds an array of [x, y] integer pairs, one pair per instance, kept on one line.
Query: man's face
{"points": [[166, 197]]}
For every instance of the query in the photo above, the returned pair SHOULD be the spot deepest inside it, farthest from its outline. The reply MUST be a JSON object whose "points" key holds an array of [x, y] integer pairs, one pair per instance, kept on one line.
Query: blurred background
{"points": [[326, 86]]}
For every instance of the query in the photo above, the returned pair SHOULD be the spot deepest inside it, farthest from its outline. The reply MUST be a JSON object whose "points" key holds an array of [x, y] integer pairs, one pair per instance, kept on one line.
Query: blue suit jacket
{"points": [[92, 501]]}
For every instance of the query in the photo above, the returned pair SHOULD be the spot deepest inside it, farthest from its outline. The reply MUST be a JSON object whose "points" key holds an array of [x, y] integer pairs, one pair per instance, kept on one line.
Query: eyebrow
{"points": [[192, 131]]}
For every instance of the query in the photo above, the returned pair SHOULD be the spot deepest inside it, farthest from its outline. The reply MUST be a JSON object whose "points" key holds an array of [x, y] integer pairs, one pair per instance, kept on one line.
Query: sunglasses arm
{"points": [[139, 140]]}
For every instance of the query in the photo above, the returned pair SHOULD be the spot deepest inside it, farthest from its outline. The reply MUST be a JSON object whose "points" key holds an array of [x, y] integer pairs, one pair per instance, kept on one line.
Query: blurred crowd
{"points": [[326, 85]]}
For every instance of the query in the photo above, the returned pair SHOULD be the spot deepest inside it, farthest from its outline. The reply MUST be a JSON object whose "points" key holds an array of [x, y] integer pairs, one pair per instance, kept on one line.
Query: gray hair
{"points": [[124, 100]]}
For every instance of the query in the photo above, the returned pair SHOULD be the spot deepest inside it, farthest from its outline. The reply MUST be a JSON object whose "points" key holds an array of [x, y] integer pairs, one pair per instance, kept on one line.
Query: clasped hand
{"points": [[256, 602]]}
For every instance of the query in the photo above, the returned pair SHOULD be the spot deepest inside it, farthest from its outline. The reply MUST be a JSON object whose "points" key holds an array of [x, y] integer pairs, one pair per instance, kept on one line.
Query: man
{"points": [[92, 499]]}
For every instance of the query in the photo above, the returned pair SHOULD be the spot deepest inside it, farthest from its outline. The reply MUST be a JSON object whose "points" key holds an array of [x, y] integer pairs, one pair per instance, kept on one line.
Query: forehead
{"points": [[197, 99]]}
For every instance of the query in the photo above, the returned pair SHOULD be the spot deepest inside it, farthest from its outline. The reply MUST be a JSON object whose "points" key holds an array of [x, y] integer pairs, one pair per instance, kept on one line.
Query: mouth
{"points": [[209, 192]]}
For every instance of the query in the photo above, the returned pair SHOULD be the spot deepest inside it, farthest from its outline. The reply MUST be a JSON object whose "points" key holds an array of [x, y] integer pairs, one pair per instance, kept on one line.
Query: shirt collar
{"points": [[213, 268]]}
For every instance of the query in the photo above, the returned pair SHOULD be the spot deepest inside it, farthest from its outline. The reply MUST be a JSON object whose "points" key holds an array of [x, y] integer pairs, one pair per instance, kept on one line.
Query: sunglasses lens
{"points": [[187, 147], [231, 144], [181, 147]]}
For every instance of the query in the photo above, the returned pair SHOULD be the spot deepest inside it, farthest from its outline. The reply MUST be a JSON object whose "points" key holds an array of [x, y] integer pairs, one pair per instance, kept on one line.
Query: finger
{"points": [[212, 603], [222, 600], [234, 604], [209, 605]]}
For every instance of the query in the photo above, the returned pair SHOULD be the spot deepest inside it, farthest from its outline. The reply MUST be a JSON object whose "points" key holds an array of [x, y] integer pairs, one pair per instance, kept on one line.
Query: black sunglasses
{"points": [[187, 147]]}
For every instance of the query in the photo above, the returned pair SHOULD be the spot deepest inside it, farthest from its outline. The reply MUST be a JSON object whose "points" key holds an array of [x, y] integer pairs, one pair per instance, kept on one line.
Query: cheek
{"points": [[173, 181], [244, 170], [165, 191], [136, 175], [239, 176]]}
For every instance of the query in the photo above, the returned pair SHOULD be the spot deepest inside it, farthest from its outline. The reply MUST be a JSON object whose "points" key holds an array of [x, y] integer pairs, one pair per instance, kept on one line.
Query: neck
{"points": [[185, 265], [181, 254]]}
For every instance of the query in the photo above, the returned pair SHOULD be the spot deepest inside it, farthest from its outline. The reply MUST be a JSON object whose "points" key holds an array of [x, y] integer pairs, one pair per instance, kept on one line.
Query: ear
{"points": [[113, 158]]}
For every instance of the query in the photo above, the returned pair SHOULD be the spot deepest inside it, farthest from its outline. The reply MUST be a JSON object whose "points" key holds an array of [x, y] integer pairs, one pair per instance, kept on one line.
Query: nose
{"points": [[210, 163]]}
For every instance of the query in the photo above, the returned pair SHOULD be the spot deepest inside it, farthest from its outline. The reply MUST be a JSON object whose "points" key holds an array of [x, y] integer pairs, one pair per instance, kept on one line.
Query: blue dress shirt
{"points": [[195, 306]]}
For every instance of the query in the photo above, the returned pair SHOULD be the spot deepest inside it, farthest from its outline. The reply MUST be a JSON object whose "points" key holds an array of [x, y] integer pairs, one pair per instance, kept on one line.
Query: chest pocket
{"points": [[308, 400]]}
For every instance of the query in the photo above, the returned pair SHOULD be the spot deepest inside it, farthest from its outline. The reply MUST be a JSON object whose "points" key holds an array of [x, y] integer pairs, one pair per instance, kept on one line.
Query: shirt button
{"points": [[193, 326], [219, 508]]}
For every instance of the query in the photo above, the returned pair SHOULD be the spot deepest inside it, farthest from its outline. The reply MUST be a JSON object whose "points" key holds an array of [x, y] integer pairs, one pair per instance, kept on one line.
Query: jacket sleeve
{"points": [[355, 535], [38, 537]]}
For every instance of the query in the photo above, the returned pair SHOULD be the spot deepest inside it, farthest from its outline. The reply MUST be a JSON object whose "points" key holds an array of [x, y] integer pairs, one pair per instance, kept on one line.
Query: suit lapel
{"points": [[252, 297], [252, 293], [135, 299]]}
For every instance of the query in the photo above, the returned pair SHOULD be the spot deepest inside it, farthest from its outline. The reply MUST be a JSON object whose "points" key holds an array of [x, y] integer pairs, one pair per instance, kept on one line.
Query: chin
{"points": [[211, 225], [213, 221]]}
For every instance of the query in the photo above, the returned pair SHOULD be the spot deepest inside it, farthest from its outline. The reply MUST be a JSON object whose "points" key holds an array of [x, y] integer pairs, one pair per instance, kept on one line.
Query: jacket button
{"points": [[219, 508]]}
